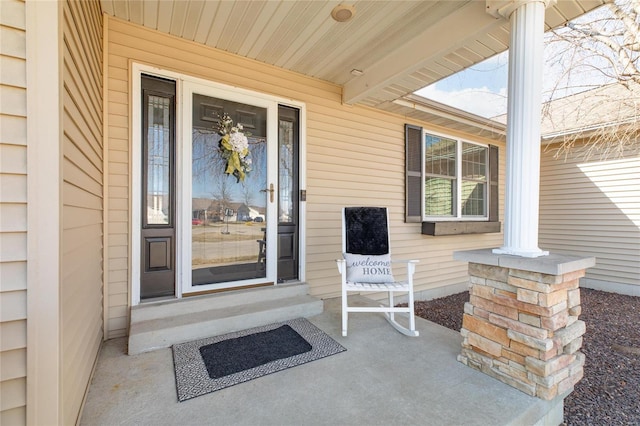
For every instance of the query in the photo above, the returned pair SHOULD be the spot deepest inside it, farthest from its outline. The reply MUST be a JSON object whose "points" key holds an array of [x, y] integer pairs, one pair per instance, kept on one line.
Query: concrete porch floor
{"points": [[382, 378]]}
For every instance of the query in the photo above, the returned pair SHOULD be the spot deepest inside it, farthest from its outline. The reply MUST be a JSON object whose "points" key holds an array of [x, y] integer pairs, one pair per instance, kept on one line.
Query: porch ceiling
{"points": [[400, 45]]}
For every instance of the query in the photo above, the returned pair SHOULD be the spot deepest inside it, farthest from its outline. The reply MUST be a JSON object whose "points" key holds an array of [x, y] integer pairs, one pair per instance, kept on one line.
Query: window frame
{"points": [[414, 189], [458, 180], [453, 179]]}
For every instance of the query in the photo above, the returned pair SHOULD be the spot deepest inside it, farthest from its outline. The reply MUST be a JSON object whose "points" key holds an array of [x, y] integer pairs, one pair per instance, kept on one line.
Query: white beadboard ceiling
{"points": [[399, 45]]}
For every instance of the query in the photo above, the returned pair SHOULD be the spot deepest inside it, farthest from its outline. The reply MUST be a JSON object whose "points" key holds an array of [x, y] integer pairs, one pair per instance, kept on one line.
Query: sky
{"points": [[482, 88]]}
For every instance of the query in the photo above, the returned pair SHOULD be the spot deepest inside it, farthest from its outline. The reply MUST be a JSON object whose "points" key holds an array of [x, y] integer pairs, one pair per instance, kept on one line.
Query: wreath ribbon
{"points": [[234, 166]]}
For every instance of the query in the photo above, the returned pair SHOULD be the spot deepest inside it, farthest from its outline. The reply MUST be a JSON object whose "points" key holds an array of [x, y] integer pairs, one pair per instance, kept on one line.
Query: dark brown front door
{"points": [[288, 193], [158, 188]]}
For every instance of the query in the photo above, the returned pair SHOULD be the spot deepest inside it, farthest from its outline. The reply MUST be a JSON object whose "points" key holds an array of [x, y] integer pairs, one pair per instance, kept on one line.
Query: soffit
{"points": [[400, 45]]}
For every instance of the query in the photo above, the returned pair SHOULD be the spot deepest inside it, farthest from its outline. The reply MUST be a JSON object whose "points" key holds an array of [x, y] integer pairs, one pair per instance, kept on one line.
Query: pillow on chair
{"points": [[362, 268]]}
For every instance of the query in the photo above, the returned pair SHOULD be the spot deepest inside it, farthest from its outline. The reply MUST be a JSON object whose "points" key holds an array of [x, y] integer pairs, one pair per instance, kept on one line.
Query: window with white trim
{"points": [[449, 179]]}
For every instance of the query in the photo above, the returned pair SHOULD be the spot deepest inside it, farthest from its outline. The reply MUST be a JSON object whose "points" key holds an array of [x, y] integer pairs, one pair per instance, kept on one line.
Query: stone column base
{"points": [[521, 323]]}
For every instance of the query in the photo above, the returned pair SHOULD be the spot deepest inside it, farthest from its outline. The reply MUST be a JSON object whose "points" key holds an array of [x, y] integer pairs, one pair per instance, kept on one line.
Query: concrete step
{"points": [[164, 324], [169, 308]]}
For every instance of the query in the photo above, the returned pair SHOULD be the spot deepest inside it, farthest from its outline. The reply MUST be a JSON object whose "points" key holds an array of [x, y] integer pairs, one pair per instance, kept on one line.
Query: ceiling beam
{"points": [[445, 36]]}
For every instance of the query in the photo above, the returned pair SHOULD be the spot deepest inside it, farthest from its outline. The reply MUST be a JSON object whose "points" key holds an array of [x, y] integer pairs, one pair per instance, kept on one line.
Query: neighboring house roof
{"points": [[613, 105], [200, 203]]}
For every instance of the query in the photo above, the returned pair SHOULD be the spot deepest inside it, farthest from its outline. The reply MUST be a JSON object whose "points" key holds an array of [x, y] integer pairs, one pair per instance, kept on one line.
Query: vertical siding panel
{"points": [[591, 207], [13, 213], [81, 283], [355, 155]]}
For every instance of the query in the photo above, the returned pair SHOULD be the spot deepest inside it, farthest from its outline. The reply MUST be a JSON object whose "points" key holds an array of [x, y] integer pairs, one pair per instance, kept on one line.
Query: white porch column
{"points": [[523, 124]]}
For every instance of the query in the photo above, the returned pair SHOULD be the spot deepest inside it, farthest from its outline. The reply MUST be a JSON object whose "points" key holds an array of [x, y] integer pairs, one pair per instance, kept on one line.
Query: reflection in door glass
{"points": [[228, 222], [286, 171], [157, 159]]}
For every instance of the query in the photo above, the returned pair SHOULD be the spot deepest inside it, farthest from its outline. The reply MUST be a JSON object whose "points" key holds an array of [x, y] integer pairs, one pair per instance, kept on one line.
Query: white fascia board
{"points": [[441, 110]]}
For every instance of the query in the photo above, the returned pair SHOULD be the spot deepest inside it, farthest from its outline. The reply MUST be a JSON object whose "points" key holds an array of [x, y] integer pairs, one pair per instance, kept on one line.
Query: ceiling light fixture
{"points": [[343, 12], [356, 72]]}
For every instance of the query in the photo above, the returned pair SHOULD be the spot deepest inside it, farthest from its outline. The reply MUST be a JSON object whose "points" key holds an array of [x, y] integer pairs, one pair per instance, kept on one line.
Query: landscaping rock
{"points": [[609, 392]]}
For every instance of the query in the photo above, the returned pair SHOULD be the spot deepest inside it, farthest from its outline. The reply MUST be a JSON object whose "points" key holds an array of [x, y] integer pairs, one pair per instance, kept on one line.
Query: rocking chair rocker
{"points": [[366, 265]]}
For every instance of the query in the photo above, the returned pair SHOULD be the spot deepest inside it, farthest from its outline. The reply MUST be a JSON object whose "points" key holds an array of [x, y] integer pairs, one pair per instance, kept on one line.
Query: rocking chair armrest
{"points": [[405, 261]]}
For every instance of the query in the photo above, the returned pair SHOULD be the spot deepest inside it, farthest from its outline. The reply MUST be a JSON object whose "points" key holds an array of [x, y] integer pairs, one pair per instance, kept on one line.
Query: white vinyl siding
{"points": [[592, 208], [13, 213], [355, 156], [81, 256]]}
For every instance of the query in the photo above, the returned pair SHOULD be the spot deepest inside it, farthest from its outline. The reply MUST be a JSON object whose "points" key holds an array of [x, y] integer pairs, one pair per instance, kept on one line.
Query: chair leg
{"points": [[345, 314], [412, 313], [391, 314], [345, 319]]}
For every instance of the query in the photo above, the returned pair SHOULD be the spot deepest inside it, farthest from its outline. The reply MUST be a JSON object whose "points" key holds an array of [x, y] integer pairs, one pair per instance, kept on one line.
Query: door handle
{"points": [[270, 191]]}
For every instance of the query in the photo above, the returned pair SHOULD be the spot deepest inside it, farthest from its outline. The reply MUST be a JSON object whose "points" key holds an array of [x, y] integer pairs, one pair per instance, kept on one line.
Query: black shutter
{"points": [[413, 173], [494, 168]]}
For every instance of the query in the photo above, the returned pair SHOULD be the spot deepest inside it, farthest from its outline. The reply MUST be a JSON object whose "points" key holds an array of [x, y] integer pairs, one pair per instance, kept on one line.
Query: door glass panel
{"points": [[228, 222], [286, 171], [158, 161]]}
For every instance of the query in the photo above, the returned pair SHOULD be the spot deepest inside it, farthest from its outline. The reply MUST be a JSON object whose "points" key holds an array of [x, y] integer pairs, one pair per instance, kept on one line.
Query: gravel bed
{"points": [[609, 393]]}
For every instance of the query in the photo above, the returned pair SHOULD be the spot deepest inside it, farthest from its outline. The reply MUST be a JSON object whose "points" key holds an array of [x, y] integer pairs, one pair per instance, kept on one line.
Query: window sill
{"points": [[459, 228]]}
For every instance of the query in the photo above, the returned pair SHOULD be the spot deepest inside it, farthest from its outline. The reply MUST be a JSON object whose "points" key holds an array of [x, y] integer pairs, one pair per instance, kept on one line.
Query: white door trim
{"points": [[183, 131], [136, 171]]}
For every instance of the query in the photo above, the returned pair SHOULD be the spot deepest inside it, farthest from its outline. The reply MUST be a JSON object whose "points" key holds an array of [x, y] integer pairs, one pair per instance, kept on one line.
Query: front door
{"points": [[220, 189], [230, 186]]}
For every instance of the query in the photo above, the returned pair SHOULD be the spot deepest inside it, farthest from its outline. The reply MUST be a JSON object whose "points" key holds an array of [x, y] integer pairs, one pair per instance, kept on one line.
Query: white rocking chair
{"points": [[366, 265]]}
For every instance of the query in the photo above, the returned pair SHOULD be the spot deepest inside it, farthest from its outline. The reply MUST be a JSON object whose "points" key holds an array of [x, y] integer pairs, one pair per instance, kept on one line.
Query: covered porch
{"points": [[75, 132], [382, 378]]}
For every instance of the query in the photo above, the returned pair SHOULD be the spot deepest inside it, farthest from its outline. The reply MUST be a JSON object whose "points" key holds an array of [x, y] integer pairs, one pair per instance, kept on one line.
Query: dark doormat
{"points": [[214, 363]]}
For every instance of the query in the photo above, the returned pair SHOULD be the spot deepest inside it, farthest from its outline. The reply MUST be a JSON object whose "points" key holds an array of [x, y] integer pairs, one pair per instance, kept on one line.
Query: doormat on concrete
{"points": [[214, 363]]}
